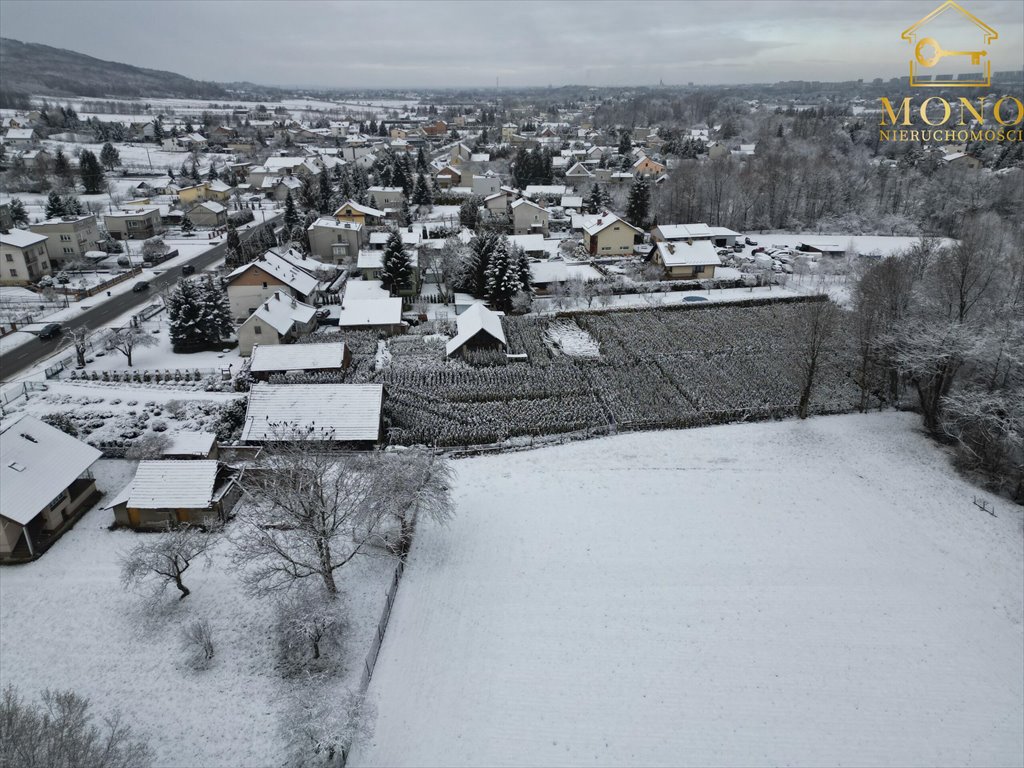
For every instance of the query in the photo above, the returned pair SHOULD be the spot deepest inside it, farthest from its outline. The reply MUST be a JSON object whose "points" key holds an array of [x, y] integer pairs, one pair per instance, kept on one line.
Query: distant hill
{"points": [[31, 68]]}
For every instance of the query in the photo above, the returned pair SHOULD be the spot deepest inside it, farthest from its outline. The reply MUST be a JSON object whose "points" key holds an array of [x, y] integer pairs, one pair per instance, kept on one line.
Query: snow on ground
{"points": [[567, 338], [65, 623], [16, 339], [817, 592]]}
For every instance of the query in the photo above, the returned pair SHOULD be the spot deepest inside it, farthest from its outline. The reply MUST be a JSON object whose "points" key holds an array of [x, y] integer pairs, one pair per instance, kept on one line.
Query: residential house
{"points": [[478, 329], [497, 204], [36, 159], [546, 275], [251, 284], [550, 191], [448, 177], [608, 235], [721, 237], [209, 215], [687, 259], [358, 213], [279, 187], [961, 160], [189, 196], [280, 319], [68, 237], [345, 414], [335, 241], [579, 176], [268, 361], [647, 167], [135, 223], [385, 197], [436, 128], [218, 191], [460, 153], [191, 445], [20, 137], [486, 185], [167, 493], [45, 485], [23, 257], [529, 218]]}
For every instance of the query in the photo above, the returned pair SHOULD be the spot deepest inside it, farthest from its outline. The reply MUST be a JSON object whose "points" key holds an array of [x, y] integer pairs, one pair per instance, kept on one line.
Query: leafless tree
{"points": [[78, 339], [61, 734], [309, 513], [163, 558], [197, 642], [127, 340], [418, 482], [319, 728], [308, 622], [813, 332]]}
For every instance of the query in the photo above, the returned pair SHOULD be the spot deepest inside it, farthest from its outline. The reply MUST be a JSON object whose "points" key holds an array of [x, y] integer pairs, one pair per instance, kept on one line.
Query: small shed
{"points": [[166, 493], [479, 329], [189, 446], [332, 357]]}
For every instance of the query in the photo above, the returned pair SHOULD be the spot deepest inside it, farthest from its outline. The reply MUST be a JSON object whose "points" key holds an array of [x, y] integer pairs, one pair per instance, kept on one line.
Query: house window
{"points": [[606, 247], [9, 257], [56, 502], [264, 283], [68, 250], [133, 224], [258, 330], [65, 238], [14, 273], [616, 229]]}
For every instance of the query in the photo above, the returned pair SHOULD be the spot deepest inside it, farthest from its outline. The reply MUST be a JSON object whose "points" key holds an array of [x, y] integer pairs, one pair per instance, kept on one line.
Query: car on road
{"points": [[140, 286], [50, 331], [188, 269]]}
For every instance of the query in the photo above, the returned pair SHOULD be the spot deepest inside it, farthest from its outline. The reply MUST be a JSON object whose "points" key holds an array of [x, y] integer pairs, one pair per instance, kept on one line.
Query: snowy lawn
{"points": [[65, 623], [797, 593]]}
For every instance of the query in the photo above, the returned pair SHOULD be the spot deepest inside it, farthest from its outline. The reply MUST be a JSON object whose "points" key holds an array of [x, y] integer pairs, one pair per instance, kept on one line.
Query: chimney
{"points": [[266, 307]]}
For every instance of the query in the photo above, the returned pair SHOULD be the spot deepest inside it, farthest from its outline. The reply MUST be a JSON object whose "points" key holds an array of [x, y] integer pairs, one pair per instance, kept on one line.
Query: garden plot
{"points": [[65, 623], [564, 337], [819, 592]]}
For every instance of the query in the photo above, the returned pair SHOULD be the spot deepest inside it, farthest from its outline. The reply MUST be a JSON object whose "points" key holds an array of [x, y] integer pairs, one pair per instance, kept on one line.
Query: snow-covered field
{"points": [[800, 593], [65, 623]]}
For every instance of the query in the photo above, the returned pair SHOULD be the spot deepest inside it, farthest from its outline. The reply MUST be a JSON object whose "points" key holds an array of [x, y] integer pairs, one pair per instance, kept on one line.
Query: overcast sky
{"points": [[409, 44]]}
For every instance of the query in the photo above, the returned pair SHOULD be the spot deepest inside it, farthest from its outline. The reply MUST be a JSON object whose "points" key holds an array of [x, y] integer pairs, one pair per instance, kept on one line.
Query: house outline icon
{"points": [[910, 34]]}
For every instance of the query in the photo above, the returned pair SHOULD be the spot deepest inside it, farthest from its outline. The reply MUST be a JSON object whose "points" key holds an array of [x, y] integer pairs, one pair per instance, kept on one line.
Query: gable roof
{"points": [[471, 322], [186, 443], [289, 274], [296, 357], [332, 411], [683, 231], [366, 210], [281, 312], [362, 313], [173, 484], [37, 462], [579, 169], [594, 224], [524, 201], [365, 289]]}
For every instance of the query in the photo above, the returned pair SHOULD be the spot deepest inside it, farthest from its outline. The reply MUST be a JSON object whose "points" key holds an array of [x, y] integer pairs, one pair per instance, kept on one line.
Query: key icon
{"points": [[939, 54]]}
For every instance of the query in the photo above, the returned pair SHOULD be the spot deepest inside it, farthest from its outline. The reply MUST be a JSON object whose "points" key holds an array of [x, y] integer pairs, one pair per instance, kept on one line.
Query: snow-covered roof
{"points": [[282, 163], [366, 210], [475, 319], [529, 243], [20, 238], [187, 443], [332, 411], [679, 253], [212, 207], [335, 224], [524, 201], [408, 238], [173, 484], [365, 289], [594, 224], [281, 312], [396, 190], [296, 357], [16, 134], [555, 190], [134, 212], [578, 170], [683, 231], [572, 201], [37, 462], [218, 186], [363, 313], [283, 270], [548, 272]]}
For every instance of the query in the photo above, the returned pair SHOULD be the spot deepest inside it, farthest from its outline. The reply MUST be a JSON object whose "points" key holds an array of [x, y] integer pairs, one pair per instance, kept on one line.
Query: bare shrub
{"points": [[197, 643]]}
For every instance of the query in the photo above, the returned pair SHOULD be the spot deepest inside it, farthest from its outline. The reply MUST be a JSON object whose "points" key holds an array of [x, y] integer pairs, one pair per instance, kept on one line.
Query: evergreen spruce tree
{"points": [[474, 279], [54, 205], [625, 143], [212, 175], [91, 172], [639, 204], [185, 312], [503, 279], [421, 192], [421, 161], [194, 173], [215, 322], [109, 156], [73, 206], [62, 168], [18, 213], [291, 214], [396, 273], [325, 193], [404, 214], [233, 246], [187, 227], [522, 266]]}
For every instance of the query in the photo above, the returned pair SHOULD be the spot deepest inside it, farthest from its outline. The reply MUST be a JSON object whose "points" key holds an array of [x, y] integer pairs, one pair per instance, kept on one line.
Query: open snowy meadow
{"points": [[793, 593]]}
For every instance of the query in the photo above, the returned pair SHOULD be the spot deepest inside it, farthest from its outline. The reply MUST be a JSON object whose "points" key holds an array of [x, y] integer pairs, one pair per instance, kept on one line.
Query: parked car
{"points": [[140, 287], [50, 331], [738, 247], [124, 261], [751, 242], [188, 269], [758, 250], [724, 252]]}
